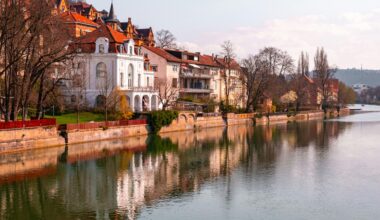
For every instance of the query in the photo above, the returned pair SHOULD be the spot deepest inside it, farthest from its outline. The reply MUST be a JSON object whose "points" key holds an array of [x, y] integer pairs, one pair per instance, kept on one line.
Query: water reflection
{"points": [[119, 179]]}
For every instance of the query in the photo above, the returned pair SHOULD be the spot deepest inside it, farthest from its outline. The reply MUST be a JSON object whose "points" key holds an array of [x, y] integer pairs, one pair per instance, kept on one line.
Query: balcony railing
{"points": [[195, 75], [143, 89], [196, 90]]}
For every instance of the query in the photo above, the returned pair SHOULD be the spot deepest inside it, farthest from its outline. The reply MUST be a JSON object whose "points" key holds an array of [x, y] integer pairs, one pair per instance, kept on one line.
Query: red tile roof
{"points": [[204, 60], [162, 53], [308, 79], [208, 60], [77, 18], [234, 64]]}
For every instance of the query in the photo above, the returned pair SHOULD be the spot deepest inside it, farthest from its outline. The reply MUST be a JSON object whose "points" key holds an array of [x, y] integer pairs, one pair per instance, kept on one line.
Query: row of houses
{"points": [[114, 54]]}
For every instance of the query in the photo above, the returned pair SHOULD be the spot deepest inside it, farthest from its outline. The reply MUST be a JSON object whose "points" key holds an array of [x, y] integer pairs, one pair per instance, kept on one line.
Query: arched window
{"points": [[122, 80], [101, 70], [81, 66], [101, 48], [130, 75]]}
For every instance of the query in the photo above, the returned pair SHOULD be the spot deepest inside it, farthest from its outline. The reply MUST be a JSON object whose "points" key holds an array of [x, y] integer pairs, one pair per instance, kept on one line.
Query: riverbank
{"points": [[44, 137]]}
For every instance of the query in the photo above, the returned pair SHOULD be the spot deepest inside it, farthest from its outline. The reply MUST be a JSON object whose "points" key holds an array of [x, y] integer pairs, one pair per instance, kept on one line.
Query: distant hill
{"points": [[355, 76]]}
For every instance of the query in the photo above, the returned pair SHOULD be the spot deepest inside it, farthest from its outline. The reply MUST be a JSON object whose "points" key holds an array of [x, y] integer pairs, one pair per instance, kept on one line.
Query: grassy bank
{"points": [[71, 118]]}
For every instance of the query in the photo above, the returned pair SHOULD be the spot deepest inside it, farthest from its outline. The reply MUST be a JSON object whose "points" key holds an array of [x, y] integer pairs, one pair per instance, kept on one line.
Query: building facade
{"points": [[109, 61], [197, 76]]}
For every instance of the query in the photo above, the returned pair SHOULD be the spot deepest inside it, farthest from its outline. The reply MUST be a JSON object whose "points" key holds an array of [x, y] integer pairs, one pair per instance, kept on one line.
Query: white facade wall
{"points": [[124, 71]]}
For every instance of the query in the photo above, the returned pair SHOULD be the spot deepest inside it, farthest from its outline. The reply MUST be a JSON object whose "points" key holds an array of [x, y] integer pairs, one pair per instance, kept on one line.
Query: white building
{"points": [[359, 88], [108, 60]]}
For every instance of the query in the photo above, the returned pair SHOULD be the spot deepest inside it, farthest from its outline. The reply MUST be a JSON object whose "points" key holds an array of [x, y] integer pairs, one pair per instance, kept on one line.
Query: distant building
{"points": [[359, 88]]}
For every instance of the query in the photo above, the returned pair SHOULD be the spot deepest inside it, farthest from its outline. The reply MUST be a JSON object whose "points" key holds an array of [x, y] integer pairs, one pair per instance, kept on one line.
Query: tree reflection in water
{"points": [[116, 179]]}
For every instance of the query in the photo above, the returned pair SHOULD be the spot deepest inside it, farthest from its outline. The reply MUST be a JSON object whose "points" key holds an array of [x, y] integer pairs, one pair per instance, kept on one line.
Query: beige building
{"points": [[196, 76]]}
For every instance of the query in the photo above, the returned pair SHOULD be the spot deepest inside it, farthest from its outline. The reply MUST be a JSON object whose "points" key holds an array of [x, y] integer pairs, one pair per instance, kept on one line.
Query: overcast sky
{"points": [[349, 30]]}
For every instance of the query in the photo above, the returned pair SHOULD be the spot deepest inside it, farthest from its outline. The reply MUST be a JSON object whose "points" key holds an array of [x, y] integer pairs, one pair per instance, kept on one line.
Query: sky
{"points": [[349, 30]]}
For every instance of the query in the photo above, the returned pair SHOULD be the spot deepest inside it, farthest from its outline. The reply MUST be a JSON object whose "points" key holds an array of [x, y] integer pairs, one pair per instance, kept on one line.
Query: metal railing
{"points": [[28, 124]]}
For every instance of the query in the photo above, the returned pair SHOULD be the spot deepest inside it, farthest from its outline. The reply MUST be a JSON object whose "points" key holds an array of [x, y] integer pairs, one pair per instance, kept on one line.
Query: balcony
{"points": [[198, 75], [142, 89], [195, 90]]}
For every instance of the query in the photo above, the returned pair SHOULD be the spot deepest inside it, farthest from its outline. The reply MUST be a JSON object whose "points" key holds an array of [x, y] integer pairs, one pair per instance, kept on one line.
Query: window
{"points": [[175, 68], [101, 48], [122, 79], [73, 99], [121, 49], [147, 82], [131, 50], [174, 82], [77, 80], [101, 70], [130, 76], [100, 101], [81, 66], [155, 68], [139, 80]]}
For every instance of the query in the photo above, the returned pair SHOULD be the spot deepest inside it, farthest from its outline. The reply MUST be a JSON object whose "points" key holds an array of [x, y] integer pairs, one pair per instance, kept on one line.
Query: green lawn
{"points": [[83, 117]]}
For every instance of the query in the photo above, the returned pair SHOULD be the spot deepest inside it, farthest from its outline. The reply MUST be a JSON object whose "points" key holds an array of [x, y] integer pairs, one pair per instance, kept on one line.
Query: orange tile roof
{"points": [[119, 37], [104, 31], [77, 18]]}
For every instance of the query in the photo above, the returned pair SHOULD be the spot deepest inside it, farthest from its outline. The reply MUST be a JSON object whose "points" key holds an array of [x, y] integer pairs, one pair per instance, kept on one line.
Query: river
{"points": [[310, 170]]}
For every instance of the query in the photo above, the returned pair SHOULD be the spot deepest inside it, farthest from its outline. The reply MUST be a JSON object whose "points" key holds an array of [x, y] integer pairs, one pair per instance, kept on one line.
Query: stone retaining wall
{"points": [[23, 139], [29, 138], [84, 136]]}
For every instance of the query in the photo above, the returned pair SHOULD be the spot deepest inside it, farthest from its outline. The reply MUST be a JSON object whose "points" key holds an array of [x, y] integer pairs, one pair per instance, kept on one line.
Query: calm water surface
{"points": [[312, 170]]}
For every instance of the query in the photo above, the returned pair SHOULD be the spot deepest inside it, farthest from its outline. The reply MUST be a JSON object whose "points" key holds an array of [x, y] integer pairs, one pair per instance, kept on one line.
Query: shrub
{"points": [[159, 119], [226, 108]]}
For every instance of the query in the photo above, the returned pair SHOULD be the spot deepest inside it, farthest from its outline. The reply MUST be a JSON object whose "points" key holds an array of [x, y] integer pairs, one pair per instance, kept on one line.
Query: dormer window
{"points": [[101, 48], [102, 45]]}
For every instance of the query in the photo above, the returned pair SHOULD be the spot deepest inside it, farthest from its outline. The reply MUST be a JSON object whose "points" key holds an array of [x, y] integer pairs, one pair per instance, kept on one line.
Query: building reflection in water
{"points": [[112, 179]]}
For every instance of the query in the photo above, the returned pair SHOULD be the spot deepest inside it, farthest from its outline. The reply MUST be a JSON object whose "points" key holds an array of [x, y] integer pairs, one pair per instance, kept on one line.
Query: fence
{"points": [[96, 125], [28, 124]]}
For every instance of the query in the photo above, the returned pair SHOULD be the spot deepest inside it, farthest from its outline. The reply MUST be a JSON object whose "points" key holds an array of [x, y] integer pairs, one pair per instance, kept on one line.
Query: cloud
{"points": [[350, 39]]}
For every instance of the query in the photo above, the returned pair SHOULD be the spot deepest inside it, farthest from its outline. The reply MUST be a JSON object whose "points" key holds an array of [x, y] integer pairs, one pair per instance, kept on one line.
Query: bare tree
{"points": [[108, 92], [303, 64], [300, 83], [280, 62], [256, 71], [229, 55], [165, 39], [32, 41], [323, 74], [168, 93], [77, 86]]}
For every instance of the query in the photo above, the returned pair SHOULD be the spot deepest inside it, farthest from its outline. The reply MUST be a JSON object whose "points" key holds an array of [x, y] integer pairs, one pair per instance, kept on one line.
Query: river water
{"points": [[310, 170]]}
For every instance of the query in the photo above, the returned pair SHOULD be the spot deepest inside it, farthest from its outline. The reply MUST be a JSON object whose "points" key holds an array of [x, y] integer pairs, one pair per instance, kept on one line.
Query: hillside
{"points": [[355, 76]]}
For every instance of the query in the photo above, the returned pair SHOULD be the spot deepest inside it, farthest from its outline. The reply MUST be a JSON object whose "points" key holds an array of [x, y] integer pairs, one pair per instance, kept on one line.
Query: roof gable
{"points": [[104, 31]]}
